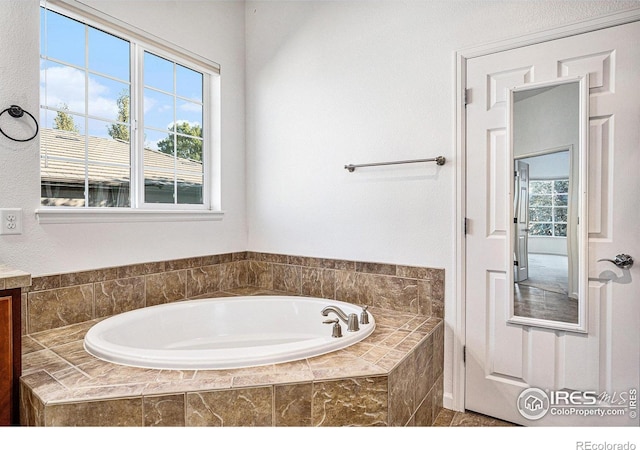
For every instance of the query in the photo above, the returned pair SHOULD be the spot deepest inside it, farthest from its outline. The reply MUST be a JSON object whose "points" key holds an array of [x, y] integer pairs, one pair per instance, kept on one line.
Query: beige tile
{"points": [[348, 287], [89, 276], [233, 275], [118, 296], [292, 405], [287, 278], [135, 270], [376, 268], [318, 282], [231, 408], [444, 418], [181, 264], [424, 414], [354, 401], [121, 412], [59, 307], [260, 274], [203, 280], [164, 410], [44, 283], [399, 294], [63, 335], [42, 360], [472, 419], [30, 345], [402, 382], [165, 287]]}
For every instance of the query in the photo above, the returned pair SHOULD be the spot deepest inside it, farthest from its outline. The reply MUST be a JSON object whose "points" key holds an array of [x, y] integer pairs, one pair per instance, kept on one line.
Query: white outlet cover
{"points": [[10, 221]]}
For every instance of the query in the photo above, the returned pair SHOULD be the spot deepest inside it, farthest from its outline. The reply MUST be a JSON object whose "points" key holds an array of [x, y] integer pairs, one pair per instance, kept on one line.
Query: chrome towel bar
{"points": [[440, 160]]}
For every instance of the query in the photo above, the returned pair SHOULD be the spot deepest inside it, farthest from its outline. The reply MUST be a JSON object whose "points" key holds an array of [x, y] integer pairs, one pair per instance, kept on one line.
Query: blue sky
{"points": [[108, 63]]}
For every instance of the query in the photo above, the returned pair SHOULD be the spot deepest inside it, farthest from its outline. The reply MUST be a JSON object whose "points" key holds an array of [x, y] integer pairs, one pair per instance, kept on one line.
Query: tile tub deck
{"points": [[392, 378]]}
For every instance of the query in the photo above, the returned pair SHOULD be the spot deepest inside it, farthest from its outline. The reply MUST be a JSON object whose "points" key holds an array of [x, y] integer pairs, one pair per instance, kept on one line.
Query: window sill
{"points": [[111, 215]]}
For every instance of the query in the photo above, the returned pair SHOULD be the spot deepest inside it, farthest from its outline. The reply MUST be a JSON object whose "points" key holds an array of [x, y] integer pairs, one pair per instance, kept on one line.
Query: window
{"points": [[125, 123], [548, 200]]}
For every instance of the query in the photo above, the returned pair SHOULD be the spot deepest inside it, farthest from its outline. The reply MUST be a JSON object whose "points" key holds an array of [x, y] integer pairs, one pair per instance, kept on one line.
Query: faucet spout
{"points": [[351, 320], [338, 311]]}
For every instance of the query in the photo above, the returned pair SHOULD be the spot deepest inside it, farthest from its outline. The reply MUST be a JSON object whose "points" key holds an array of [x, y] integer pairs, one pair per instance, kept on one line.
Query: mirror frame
{"points": [[581, 326]]}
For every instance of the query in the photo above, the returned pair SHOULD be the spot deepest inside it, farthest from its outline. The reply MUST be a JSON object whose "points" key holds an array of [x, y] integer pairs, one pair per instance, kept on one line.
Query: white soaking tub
{"points": [[222, 333]]}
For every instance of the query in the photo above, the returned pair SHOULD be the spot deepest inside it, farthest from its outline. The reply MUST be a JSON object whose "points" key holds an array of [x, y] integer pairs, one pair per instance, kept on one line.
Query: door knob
{"points": [[622, 260]]}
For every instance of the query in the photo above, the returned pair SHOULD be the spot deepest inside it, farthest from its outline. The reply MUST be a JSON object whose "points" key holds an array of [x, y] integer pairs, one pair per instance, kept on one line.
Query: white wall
{"points": [[336, 82], [214, 30], [327, 83]]}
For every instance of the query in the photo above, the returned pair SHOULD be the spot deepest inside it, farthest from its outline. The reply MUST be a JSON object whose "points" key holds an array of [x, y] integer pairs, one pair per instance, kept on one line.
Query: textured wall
{"points": [[214, 30]]}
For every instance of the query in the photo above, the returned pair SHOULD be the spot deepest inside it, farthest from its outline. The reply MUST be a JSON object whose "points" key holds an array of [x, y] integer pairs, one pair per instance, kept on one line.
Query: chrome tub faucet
{"points": [[351, 320]]}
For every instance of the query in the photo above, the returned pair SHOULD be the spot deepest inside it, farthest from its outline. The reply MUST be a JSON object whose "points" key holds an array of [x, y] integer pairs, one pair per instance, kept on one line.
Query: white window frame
{"points": [[552, 208], [139, 211]]}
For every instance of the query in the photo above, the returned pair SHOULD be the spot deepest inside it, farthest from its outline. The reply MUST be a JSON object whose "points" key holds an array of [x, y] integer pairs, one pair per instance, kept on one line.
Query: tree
{"points": [[188, 148], [120, 131], [64, 121]]}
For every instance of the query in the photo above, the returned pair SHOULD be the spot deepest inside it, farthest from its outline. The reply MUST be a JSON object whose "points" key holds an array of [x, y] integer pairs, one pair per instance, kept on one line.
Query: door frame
{"points": [[456, 315]]}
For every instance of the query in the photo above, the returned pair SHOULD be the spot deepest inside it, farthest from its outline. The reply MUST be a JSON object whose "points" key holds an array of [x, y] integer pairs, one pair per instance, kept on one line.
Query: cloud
{"points": [[66, 85]]}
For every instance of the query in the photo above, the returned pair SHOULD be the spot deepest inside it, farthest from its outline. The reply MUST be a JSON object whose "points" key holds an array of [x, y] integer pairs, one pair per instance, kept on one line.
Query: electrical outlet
{"points": [[11, 221]]}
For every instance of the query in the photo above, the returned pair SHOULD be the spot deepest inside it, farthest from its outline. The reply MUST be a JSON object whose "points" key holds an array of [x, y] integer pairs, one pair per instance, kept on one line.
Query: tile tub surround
{"points": [[59, 300], [392, 378]]}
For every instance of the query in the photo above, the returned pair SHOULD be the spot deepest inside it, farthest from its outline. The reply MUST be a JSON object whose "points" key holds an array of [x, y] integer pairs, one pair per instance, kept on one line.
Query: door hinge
{"points": [[464, 354], [465, 97], [465, 225]]}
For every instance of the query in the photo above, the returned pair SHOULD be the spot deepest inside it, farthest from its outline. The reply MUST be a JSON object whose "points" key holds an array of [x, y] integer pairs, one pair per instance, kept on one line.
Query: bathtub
{"points": [[222, 333]]}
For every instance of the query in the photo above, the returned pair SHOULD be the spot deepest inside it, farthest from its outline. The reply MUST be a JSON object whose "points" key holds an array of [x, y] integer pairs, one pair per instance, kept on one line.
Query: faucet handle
{"points": [[337, 329], [364, 316]]}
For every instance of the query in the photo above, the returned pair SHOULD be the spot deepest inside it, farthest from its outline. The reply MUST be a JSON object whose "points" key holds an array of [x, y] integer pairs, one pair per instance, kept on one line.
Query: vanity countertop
{"points": [[12, 279]]}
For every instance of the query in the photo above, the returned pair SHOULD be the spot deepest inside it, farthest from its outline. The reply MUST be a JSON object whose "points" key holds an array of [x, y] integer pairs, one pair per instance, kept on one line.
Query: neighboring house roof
{"points": [[109, 161]]}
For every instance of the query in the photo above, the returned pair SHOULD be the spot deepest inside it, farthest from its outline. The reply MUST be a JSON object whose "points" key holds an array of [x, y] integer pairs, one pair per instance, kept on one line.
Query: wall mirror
{"points": [[548, 243]]}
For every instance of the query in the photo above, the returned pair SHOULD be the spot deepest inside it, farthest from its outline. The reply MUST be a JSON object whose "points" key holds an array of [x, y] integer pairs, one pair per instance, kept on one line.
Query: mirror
{"points": [[547, 136]]}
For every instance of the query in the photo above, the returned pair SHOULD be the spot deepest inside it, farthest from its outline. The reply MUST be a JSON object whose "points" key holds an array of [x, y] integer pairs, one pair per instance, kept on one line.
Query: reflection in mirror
{"points": [[547, 148]]}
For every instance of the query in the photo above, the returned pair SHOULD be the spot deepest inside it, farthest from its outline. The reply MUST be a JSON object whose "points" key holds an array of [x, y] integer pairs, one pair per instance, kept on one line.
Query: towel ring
{"points": [[16, 112]]}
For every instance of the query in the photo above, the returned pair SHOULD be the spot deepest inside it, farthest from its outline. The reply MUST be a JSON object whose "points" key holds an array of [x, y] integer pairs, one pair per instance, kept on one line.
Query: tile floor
{"points": [[449, 418]]}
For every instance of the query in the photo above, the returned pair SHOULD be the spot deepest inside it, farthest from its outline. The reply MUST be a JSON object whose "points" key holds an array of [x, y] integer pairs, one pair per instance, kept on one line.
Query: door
{"points": [[504, 360], [521, 222]]}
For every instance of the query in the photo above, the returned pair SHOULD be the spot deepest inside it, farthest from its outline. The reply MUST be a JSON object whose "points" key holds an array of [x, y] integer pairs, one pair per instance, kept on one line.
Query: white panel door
{"points": [[504, 359]]}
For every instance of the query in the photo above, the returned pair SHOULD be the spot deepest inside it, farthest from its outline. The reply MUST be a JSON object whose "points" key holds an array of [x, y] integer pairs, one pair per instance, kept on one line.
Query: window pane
{"points": [[158, 72], [106, 149], [62, 180], [108, 54], [108, 186], [189, 148], [540, 200], [62, 87], [63, 39], [158, 110], [540, 229], [561, 186], [560, 229], [189, 118], [190, 191], [540, 187], [71, 126], [540, 214], [560, 199], [560, 214], [188, 83], [158, 141], [108, 99], [158, 186]]}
